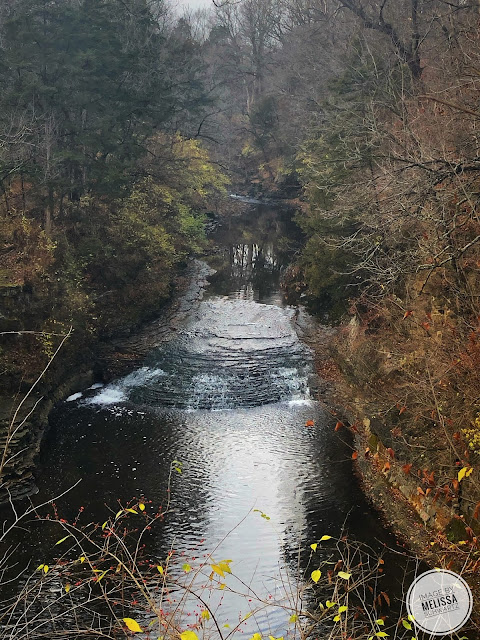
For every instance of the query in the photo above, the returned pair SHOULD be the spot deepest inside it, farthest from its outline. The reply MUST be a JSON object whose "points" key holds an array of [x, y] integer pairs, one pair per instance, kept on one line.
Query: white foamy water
{"points": [[74, 396], [118, 392]]}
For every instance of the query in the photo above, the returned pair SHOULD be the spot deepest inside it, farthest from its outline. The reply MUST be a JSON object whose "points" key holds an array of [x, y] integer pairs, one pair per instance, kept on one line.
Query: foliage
{"points": [[104, 582]]}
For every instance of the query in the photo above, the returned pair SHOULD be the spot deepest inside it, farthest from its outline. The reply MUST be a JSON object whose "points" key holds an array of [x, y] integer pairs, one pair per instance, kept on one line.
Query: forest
{"points": [[125, 124]]}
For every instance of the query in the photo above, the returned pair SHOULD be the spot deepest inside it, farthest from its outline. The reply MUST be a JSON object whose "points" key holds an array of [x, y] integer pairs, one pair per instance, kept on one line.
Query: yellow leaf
{"points": [[118, 514], [226, 626], [141, 506], [344, 575], [101, 576], [224, 566], [205, 614], [132, 511], [342, 609], [256, 636], [469, 472], [407, 625], [293, 618], [316, 575], [381, 634], [40, 566], [337, 619], [380, 622], [61, 540], [186, 567], [82, 559], [160, 570], [329, 604], [314, 546], [218, 570], [104, 524], [68, 587], [461, 473], [188, 635], [222, 586], [133, 625], [45, 568], [325, 538]]}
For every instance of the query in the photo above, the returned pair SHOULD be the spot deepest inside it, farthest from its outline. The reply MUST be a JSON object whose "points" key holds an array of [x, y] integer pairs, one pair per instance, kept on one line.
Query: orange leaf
{"points": [[386, 466], [406, 468], [457, 436], [426, 326], [391, 452], [385, 597], [420, 491], [354, 455], [407, 313], [402, 410], [310, 423], [338, 426]]}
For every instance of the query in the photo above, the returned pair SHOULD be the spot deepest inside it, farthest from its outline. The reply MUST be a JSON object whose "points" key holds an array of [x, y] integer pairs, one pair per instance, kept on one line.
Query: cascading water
{"points": [[235, 354]]}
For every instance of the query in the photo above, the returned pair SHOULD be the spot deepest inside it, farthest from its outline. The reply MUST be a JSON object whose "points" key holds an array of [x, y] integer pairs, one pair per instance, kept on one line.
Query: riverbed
{"points": [[231, 397]]}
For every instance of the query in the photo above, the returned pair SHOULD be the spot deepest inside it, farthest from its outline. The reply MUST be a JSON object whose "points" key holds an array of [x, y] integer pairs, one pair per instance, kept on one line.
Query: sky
{"points": [[193, 4]]}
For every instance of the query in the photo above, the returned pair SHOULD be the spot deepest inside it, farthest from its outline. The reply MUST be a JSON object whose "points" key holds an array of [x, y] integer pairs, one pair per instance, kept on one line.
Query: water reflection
{"points": [[229, 399], [257, 247]]}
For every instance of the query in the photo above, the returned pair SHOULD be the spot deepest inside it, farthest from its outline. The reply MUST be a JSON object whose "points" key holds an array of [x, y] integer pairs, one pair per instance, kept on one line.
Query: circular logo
{"points": [[439, 602]]}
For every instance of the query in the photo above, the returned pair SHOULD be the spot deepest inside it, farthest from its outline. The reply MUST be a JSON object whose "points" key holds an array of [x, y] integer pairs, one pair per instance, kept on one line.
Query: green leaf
{"points": [[316, 575], [186, 567], [133, 625], [407, 625], [61, 540]]}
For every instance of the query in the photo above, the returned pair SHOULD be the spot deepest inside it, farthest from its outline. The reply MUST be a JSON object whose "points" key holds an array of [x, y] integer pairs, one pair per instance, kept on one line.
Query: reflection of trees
{"points": [[246, 259], [256, 252]]}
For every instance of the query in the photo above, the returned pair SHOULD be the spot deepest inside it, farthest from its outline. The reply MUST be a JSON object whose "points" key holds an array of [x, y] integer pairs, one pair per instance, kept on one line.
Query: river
{"points": [[230, 399]]}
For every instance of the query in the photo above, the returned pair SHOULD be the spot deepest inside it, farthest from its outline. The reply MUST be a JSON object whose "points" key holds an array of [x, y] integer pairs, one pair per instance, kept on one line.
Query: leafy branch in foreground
{"points": [[105, 584]]}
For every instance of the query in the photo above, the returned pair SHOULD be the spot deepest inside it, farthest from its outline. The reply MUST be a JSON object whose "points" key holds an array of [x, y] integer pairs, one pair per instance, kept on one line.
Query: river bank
{"points": [[438, 533], [83, 361]]}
